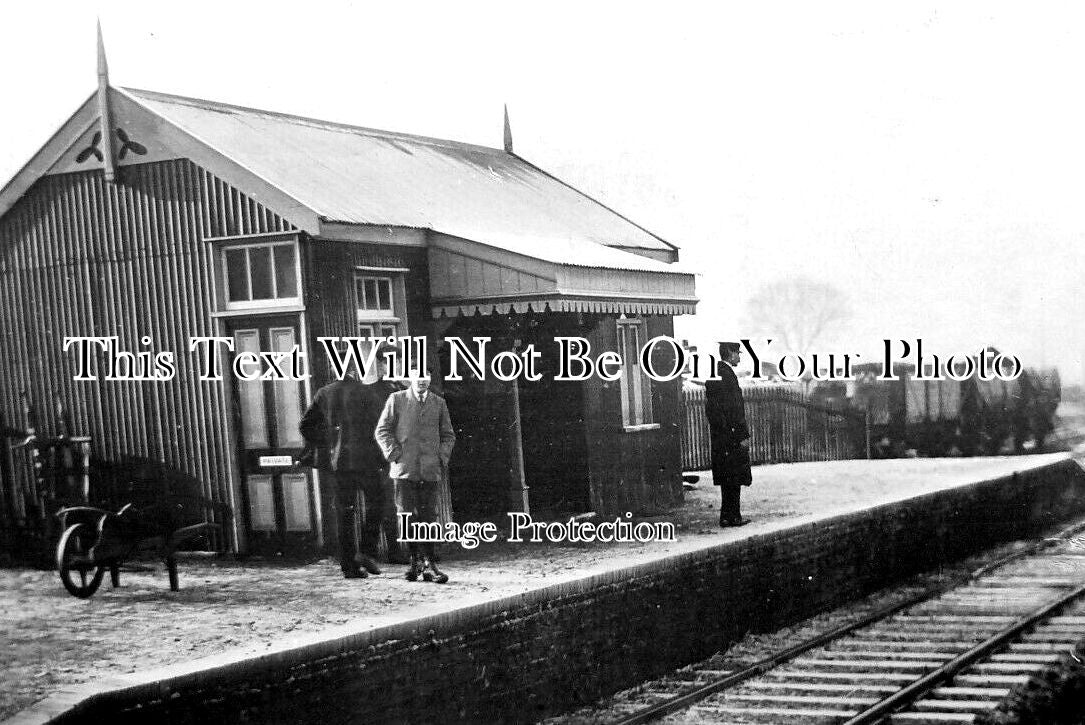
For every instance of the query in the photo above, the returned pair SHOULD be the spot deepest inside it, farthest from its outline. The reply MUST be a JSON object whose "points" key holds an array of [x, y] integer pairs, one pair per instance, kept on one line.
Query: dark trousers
{"points": [[347, 485], [730, 471], [729, 501], [419, 499]]}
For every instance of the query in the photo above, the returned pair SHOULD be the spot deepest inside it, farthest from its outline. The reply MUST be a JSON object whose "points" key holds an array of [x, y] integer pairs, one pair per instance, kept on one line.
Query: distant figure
{"points": [[339, 424], [730, 436], [415, 433]]}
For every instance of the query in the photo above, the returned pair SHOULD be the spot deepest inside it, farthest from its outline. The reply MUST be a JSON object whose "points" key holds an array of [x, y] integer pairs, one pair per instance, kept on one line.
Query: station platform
{"points": [[523, 630]]}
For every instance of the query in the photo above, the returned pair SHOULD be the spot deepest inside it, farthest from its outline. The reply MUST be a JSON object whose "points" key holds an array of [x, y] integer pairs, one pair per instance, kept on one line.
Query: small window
{"points": [[380, 300], [636, 388], [259, 275], [374, 295]]}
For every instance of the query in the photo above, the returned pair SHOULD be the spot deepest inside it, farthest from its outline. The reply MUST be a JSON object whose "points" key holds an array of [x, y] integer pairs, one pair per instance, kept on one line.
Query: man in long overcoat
{"points": [[340, 424], [730, 437], [415, 433]]}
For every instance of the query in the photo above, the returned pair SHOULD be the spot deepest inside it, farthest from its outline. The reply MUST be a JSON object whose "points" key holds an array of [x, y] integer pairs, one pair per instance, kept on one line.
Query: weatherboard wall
{"points": [[637, 470]]}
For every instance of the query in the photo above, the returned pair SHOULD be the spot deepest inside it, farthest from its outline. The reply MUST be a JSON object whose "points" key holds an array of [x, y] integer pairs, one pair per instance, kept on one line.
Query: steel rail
{"points": [[928, 682], [681, 702]]}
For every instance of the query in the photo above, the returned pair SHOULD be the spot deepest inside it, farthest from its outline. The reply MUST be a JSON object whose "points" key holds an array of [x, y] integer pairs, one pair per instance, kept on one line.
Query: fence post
{"points": [[828, 422], [866, 429], [84, 450]]}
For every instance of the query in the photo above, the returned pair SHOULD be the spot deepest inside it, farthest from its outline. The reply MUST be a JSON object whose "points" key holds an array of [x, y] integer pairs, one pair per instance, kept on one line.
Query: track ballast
{"points": [[941, 658]]}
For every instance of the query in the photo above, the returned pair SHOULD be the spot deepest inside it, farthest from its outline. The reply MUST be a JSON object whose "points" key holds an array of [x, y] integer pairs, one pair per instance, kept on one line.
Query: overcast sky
{"points": [[927, 160]]}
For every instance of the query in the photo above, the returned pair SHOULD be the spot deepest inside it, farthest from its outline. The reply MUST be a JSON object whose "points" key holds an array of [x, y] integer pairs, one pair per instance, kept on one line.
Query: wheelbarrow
{"points": [[96, 539]]}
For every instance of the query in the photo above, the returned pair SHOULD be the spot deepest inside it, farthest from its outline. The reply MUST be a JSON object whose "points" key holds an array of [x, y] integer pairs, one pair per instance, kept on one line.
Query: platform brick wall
{"points": [[524, 657]]}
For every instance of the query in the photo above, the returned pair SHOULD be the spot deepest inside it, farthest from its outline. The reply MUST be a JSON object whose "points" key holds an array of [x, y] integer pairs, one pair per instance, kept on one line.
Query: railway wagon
{"points": [[948, 417]]}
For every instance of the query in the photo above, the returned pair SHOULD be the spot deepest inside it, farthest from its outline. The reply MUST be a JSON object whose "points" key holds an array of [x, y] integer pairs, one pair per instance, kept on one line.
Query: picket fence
{"points": [[786, 426]]}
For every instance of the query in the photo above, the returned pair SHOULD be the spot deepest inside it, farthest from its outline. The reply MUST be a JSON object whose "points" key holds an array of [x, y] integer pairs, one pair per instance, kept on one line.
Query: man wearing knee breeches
{"points": [[416, 436]]}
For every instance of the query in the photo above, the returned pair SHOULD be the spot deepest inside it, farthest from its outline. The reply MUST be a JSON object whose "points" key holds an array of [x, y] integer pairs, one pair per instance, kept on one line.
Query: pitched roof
{"points": [[359, 175], [326, 176]]}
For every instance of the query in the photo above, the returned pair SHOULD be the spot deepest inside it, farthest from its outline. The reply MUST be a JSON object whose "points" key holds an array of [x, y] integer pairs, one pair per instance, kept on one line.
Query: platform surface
{"points": [[227, 611]]}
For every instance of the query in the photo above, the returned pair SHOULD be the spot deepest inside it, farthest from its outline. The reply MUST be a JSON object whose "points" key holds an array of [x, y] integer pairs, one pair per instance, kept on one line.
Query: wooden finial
{"points": [[508, 131], [103, 66], [106, 122]]}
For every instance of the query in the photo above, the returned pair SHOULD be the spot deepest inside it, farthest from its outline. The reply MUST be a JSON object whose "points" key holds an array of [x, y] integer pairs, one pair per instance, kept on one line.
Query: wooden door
{"points": [[279, 502]]}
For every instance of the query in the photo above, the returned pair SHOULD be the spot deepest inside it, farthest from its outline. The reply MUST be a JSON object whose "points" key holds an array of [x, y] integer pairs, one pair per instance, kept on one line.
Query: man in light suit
{"points": [[415, 434]]}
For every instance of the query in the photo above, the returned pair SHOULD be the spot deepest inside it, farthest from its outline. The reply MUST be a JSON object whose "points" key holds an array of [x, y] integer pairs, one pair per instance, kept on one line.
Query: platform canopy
{"points": [[468, 278]]}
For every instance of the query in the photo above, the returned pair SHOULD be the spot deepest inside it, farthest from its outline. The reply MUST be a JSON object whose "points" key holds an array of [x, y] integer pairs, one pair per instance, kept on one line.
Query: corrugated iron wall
{"points": [[330, 299], [82, 257]]}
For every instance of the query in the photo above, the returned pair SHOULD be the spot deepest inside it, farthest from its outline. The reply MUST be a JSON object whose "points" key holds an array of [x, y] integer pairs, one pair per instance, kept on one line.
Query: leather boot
{"points": [[414, 570], [368, 564], [433, 574]]}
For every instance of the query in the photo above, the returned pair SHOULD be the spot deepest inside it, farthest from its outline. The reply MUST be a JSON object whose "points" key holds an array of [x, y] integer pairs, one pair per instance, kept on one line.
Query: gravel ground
{"points": [[49, 639]]}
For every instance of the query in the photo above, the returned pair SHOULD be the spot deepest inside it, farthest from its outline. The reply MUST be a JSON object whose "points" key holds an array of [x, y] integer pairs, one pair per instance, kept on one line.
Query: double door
{"points": [[279, 499]]}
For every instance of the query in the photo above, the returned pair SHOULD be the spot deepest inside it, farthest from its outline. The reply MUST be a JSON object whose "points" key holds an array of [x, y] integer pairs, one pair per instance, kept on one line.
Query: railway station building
{"points": [[162, 217]]}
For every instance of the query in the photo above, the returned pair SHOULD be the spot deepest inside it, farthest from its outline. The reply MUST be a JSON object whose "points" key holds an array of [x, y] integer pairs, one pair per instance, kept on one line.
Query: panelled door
{"points": [[280, 510]]}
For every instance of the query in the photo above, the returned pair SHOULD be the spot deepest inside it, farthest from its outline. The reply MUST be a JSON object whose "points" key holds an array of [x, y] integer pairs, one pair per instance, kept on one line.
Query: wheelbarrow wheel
{"points": [[80, 577]]}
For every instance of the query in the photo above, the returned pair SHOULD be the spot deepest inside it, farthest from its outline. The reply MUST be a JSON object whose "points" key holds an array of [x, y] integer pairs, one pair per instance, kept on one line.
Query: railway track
{"points": [[942, 657]]}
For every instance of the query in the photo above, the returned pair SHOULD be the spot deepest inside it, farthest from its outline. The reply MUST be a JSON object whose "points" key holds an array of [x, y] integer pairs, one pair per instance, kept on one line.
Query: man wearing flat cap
{"points": [[730, 436], [340, 424]]}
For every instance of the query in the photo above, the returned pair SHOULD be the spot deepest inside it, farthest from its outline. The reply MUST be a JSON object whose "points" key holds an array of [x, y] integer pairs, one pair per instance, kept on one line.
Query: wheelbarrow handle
{"points": [[83, 515], [90, 510]]}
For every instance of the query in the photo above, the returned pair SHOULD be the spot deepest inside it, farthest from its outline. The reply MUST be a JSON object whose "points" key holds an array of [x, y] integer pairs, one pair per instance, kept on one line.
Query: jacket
{"points": [[726, 415], [417, 439], [340, 422]]}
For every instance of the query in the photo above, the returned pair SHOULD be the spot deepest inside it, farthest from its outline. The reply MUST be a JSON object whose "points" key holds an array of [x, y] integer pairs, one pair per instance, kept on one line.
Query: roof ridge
{"points": [[334, 125]]}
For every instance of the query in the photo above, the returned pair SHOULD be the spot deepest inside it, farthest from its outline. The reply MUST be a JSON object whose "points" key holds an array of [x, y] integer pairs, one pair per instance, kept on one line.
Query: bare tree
{"points": [[796, 311]]}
